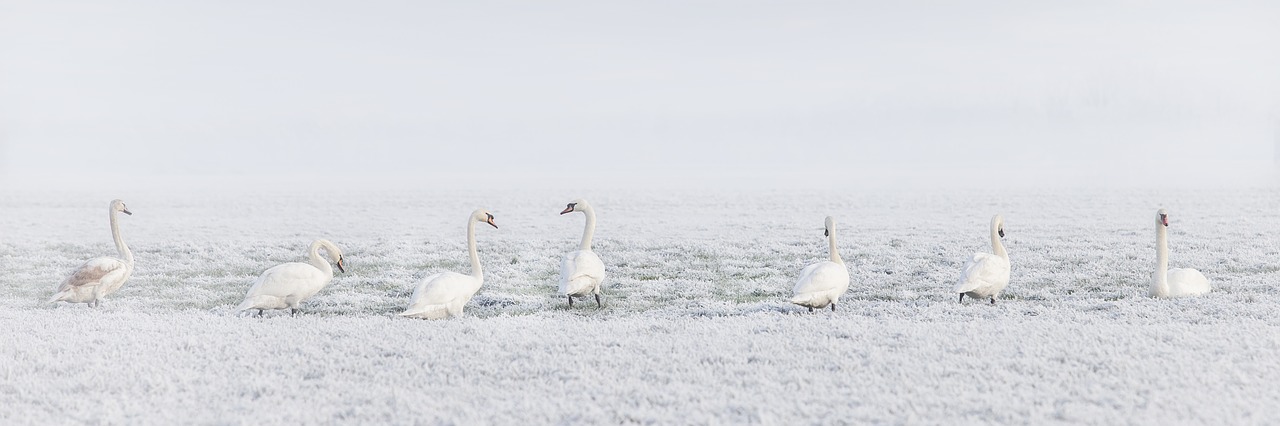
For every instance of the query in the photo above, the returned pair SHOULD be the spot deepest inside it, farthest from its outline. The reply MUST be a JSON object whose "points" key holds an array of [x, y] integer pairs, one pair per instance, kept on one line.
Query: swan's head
{"points": [[829, 227], [1162, 218], [997, 222], [118, 206], [335, 254], [576, 206], [484, 216]]}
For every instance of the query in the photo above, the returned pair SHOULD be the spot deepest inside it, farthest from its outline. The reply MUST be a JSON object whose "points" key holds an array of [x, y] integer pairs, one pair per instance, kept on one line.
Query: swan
{"points": [[821, 284], [986, 274], [286, 285], [99, 277], [443, 295], [1176, 282], [581, 272]]}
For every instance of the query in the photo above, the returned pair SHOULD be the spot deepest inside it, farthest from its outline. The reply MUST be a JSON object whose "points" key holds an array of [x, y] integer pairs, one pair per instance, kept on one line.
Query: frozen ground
{"points": [[696, 327]]}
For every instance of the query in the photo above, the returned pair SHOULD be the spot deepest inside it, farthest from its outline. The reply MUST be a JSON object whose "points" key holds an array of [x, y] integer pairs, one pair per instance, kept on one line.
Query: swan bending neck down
{"points": [[444, 295], [986, 274], [581, 271], [1176, 282], [102, 276], [287, 285], [821, 284]]}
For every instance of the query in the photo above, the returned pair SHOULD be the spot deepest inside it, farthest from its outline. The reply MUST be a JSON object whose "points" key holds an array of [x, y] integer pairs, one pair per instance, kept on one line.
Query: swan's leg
{"points": [[833, 307], [961, 297], [570, 300], [993, 300], [810, 309], [260, 313], [293, 312], [598, 304]]}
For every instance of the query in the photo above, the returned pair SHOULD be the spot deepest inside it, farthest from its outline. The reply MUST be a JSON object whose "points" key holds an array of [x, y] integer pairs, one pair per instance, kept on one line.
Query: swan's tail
{"points": [[255, 302], [804, 299], [427, 312], [59, 296]]}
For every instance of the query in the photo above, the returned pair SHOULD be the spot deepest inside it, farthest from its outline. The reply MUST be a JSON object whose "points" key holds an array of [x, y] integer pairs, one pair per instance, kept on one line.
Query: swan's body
{"points": [[102, 276], [986, 274], [444, 295], [581, 271], [285, 286], [821, 284], [1176, 282]]}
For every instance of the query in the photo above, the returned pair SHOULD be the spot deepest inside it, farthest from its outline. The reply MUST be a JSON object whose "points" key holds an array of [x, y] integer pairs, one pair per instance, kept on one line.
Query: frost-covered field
{"points": [[696, 327]]}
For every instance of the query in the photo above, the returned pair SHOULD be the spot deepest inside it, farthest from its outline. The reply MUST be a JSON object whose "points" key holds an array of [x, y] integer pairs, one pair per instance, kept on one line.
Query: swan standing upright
{"points": [[444, 295], [581, 272], [821, 284], [286, 285], [986, 274], [1176, 282], [99, 277]]}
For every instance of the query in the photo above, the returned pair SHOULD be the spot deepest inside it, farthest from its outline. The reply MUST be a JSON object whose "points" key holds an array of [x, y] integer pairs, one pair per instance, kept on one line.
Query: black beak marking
{"points": [[1001, 232], [340, 267], [826, 232]]}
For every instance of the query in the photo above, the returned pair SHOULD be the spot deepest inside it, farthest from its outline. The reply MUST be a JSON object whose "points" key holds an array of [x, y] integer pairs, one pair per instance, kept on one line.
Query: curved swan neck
{"points": [[320, 262], [123, 248], [1160, 280], [831, 241], [589, 231], [471, 247], [996, 245]]}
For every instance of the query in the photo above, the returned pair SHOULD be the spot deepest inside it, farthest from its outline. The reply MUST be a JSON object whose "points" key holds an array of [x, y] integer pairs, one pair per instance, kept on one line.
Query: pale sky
{"points": [[638, 91]]}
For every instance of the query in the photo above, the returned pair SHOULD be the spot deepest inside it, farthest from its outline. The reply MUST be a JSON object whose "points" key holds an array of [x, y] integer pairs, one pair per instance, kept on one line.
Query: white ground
{"points": [[696, 327]]}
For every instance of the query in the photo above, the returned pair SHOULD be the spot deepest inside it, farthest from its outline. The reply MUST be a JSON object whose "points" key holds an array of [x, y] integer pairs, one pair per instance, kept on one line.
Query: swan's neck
{"points": [[590, 230], [320, 262], [996, 245], [123, 248], [835, 253], [1160, 279], [471, 247]]}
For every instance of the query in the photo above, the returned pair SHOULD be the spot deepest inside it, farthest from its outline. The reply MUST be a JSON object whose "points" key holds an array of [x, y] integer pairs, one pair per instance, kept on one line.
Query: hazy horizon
{"points": [[660, 93]]}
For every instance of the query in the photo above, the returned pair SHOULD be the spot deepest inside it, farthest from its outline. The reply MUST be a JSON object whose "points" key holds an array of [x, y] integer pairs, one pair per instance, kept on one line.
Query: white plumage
{"points": [[581, 271], [99, 277], [1176, 282], [986, 274], [444, 295], [821, 284], [287, 285]]}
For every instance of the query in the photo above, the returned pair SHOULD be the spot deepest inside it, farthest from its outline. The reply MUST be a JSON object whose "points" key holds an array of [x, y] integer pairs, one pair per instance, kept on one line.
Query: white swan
{"points": [[1177, 282], [581, 272], [986, 274], [285, 286], [99, 277], [443, 295], [823, 283]]}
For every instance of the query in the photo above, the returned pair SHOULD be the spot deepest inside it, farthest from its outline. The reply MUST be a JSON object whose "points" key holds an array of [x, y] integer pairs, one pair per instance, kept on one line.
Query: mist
{"points": [[652, 93]]}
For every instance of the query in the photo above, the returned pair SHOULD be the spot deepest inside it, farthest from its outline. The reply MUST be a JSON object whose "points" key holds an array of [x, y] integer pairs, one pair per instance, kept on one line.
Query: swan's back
{"points": [[986, 275], [820, 284], [581, 272], [108, 273], [442, 295], [1187, 282], [290, 279]]}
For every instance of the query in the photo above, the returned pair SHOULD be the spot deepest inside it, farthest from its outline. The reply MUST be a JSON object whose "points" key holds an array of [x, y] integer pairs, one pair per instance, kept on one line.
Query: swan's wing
{"points": [[440, 289], [581, 264], [285, 279], [982, 270], [821, 276], [1187, 282], [94, 272]]}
